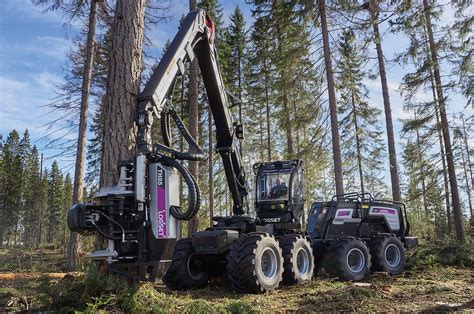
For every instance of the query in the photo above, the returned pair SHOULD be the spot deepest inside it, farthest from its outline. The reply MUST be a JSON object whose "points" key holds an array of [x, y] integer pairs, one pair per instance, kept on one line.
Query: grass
{"points": [[430, 284]]}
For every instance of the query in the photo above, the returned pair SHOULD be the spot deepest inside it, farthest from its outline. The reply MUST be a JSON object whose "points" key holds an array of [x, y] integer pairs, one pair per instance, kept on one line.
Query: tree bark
{"points": [[193, 90], [267, 114], [336, 147], [358, 146], [443, 156], [123, 87], [40, 213], [469, 180], [422, 174], [392, 154], [72, 256], [466, 179], [444, 126]]}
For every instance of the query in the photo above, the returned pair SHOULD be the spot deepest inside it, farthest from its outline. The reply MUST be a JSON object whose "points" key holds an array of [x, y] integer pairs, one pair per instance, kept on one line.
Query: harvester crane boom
{"points": [[195, 38]]}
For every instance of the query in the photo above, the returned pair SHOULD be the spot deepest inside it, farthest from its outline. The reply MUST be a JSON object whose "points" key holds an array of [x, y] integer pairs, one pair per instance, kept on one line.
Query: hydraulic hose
{"points": [[194, 193], [195, 153], [165, 128]]}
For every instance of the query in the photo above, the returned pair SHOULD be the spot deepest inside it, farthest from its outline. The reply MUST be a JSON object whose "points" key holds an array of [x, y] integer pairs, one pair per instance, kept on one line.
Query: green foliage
{"points": [[147, 300], [241, 306], [442, 253], [201, 307], [361, 135]]}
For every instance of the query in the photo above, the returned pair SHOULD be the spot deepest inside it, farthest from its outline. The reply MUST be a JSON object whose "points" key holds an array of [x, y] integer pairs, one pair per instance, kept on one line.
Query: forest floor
{"points": [[436, 279]]}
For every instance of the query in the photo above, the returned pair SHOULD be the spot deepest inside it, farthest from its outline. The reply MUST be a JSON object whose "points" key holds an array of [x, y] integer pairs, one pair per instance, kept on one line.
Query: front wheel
{"points": [[298, 259], [388, 254], [186, 269], [255, 263], [348, 259]]}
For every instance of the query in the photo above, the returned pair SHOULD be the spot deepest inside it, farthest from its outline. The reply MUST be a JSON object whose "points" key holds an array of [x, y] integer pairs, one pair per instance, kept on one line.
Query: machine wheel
{"points": [[186, 271], [298, 259], [388, 254], [348, 259], [255, 263]]}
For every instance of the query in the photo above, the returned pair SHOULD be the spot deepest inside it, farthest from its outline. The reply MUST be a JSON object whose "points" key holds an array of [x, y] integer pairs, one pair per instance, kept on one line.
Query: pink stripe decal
{"points": [[161, 212], [384, 211], [343, 213]]}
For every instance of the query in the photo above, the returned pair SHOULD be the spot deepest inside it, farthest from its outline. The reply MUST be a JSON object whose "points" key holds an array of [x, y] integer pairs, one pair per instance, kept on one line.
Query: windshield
{"points": [[273, 186]]}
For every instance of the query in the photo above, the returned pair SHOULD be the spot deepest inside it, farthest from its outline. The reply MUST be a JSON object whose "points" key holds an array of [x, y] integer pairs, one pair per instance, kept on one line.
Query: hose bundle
{"points": [[195, 154]]}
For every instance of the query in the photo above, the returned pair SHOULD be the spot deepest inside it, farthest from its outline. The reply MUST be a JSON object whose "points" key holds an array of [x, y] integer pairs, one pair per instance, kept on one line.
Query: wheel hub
{"points": [[268, 263], [302, 261], [195, 267], [355, 260], [392, 255]]}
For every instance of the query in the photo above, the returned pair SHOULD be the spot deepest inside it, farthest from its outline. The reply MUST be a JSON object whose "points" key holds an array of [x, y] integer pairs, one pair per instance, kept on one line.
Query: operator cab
{"points": [[280, 191]]}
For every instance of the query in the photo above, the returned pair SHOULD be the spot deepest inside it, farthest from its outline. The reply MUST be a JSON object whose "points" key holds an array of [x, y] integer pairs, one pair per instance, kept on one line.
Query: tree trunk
{"points": [[422, 174], [466, 179], [72, 256], [469, 179], [286, 108], [336, 148], [444, 126], [392, 154], [358, 145], [289, 136], [193, 91], [40, 212], [267, 115], [443, 156], [123, 87]]}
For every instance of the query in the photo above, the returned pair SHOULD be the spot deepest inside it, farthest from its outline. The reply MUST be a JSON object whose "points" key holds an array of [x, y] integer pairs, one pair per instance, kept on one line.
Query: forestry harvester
{"points": [[140, 217]]}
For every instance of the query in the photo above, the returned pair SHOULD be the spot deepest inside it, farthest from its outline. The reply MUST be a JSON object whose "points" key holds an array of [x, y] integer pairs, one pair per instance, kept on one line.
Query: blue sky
{"points": [[33, 47]]}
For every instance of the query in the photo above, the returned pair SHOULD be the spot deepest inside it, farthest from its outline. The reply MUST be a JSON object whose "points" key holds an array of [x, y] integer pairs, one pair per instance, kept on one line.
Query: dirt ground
{"points": [[424, 288]]}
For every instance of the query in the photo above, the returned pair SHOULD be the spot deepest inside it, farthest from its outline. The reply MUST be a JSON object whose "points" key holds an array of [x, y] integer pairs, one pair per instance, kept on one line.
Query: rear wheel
{"points": [[348, 260], [186, 269], [388, 254], [298, 259], [255, 263]]}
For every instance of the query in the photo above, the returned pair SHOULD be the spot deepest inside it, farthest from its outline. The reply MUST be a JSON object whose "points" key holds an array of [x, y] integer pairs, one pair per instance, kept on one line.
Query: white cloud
{"points": [[7, 84], [47, 80], [26, 10]]}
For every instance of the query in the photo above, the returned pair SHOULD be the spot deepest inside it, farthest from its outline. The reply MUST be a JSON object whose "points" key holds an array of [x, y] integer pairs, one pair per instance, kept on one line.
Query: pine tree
{"points": [[31, 188], [460, 44], [73, 246], [67, 200], [411, 21], [444, 124], [43, 206], [55, 204], [336, 150], [362, 144], [374, 11], [123, 86], [236, 40], [423, 189], [260, 81], [10, 196]]}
